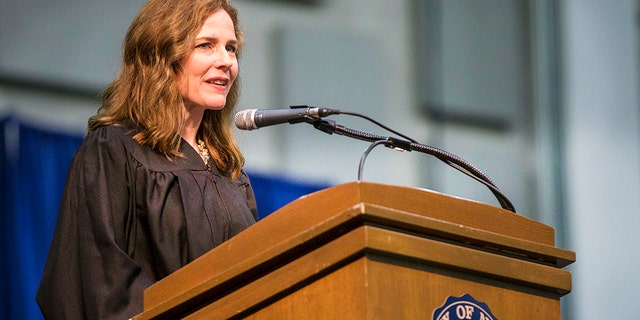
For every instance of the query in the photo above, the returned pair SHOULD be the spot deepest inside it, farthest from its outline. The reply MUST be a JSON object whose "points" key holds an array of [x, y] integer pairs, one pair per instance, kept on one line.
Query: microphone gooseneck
{"points": [[448, 158]]}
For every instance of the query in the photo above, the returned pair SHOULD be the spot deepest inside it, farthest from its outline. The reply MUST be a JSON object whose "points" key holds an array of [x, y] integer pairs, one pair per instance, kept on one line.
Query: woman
{"points": [[158, 180]]}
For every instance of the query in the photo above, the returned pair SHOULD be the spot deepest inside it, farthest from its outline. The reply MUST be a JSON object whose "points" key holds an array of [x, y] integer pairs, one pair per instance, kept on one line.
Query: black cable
{"points": [[364, 156], [377, 123]]}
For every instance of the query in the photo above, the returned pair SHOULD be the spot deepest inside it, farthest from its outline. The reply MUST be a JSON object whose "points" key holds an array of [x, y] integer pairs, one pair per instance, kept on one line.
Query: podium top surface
{"points": [[427, 203]]}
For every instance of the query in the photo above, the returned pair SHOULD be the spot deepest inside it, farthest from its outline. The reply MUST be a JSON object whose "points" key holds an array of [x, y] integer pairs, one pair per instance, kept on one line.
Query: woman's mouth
{"points": [[222, 82]]}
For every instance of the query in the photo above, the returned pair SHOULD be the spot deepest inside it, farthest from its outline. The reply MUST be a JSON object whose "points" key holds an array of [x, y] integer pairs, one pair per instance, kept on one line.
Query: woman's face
{"points": [[212, 66]]}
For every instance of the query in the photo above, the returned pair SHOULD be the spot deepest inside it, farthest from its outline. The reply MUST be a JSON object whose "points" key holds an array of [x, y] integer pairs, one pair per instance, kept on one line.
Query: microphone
{"points": [[252, 119]]}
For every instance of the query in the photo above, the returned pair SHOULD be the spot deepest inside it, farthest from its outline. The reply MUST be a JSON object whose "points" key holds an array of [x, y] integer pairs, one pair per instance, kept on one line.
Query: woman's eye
{"points": [[205, 45], [231, 48]]}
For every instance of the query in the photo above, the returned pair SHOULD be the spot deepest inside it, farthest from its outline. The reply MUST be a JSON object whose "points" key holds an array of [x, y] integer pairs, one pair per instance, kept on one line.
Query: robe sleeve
{"points": [[88, 273]]}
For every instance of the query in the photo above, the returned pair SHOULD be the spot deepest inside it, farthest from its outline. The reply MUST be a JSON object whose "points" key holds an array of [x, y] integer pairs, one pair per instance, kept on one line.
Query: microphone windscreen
{"points": [[244, 120]]}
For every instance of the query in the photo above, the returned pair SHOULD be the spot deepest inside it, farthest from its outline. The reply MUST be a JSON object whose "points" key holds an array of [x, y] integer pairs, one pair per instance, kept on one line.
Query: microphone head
{"points": [[244, 120]]}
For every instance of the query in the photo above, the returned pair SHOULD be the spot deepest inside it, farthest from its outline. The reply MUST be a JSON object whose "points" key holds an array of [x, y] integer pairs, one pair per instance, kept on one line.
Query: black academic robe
{"points": [[129, 217]]}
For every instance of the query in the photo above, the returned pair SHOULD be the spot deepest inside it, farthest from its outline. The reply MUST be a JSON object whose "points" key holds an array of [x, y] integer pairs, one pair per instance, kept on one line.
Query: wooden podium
{"points": [[370, 251]]}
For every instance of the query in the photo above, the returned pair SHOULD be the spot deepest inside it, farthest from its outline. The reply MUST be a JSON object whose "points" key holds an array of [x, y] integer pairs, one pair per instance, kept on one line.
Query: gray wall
{"points": [[573, 161], [601, 100]]}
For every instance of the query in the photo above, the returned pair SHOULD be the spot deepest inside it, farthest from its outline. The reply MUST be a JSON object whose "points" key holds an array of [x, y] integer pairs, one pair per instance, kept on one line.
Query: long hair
{"points": [[146, 91]]}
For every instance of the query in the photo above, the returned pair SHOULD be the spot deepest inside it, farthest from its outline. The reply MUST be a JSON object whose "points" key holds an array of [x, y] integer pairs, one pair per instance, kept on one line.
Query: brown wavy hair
{"points": [[146, 91]]}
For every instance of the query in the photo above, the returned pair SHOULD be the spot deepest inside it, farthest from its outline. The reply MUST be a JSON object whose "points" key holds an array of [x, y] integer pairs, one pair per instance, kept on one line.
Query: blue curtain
{"points": [[4, 169], [274, 191], [35, 163], [33, 167]]}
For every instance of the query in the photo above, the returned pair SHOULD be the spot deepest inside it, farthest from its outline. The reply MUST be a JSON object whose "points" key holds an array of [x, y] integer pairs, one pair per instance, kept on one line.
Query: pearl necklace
{"points": [[204, 153]]}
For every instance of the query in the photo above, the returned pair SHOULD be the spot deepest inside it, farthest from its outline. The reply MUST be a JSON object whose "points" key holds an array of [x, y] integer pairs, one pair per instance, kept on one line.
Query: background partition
{"points": [[555, 121]]}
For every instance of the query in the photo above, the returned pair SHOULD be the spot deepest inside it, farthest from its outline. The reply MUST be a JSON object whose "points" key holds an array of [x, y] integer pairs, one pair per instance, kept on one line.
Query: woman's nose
{"points": [[224, 59]]}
